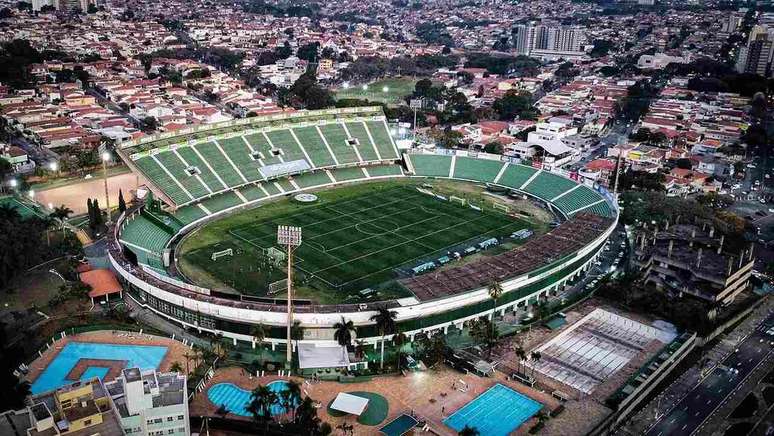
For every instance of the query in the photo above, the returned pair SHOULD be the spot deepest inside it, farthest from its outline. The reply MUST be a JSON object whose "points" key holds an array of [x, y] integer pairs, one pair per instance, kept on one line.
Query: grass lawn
{"points": [[397, 89], [33, 288], [354, 237]]}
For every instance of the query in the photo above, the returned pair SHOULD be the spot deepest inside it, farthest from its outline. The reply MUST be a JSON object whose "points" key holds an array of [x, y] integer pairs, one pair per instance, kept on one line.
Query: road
{"points": [[700, 403]]}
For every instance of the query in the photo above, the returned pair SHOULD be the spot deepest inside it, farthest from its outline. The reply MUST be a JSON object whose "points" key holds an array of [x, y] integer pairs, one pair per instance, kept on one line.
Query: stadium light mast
{"points": [[290, 237], [105, 158]]}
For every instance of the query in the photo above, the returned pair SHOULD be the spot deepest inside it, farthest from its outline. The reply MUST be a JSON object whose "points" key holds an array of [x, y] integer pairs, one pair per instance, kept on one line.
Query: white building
{"points": [[547, 144], [151, 403]]}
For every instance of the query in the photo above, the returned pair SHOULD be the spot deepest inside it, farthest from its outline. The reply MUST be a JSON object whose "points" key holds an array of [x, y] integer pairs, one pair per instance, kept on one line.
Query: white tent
{"points": [[311, 356], [349, 403]]}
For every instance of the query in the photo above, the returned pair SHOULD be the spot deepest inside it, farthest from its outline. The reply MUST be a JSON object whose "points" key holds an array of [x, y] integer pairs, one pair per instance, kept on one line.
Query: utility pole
{"points": [[105, 159], [290, 237]]}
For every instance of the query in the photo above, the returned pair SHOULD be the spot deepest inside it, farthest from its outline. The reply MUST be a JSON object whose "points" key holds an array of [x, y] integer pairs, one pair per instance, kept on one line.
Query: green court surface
{"points": [[397, 88], [24, 209], [375, 412], [352, 239]]}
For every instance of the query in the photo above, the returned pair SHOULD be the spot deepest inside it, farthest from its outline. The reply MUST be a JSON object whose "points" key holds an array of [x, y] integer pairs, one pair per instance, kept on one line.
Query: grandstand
{"points": [[566, 195], [192, 170]]}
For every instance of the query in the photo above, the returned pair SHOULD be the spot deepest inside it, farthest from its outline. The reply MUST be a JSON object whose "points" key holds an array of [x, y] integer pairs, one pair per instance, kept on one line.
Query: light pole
{"points": [[105, 159], [54, 167], [290, 237]]}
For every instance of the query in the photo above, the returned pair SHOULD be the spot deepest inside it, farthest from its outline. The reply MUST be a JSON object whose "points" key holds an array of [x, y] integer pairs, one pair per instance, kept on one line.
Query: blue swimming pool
{"points": [[236, 399], [496, 412], [55, 374]]}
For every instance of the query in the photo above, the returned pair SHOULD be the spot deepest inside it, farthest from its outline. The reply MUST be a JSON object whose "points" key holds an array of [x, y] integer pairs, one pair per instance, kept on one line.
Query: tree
{"points": [[261, 400], [514, 104], [291, 397], [296, 332], [385, 324], [5, 169], [535, 357], [343, 333], [308, 52], [486, 332], [176, 367], [468, 431], [61, 212], [121, 202], [495, 291], [398, 340]]}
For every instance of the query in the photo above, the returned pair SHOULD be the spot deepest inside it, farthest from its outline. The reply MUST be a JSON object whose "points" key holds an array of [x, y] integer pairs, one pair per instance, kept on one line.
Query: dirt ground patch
{"points": [[74, 196]]}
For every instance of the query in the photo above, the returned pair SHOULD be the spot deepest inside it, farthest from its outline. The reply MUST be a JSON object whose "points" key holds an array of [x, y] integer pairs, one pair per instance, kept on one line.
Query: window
{"points": [[181, 429], [128, 430], [170, 418], [158, 420], [149, 422], [87, 423], [180, 417], [171, 431]]}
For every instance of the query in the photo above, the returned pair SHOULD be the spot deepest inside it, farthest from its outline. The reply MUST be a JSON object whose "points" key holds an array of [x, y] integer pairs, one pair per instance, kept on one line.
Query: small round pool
{"points": [[236, 399]]}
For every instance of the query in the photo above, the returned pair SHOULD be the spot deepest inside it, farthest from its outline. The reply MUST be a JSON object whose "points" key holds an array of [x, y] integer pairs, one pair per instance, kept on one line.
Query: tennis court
{"points": [[361, 240]]}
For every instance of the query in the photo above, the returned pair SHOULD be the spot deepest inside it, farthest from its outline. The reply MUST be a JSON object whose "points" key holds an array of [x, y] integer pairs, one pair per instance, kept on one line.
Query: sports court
{"points": [[361, 240]]}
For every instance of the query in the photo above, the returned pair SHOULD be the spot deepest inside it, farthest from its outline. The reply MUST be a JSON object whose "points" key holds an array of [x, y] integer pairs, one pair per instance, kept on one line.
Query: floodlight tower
{"points": [[290, 237]]}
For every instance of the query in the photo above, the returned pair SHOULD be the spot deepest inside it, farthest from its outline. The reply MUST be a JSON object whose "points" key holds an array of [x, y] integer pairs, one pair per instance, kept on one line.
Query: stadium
{"points": [[421, 232]]}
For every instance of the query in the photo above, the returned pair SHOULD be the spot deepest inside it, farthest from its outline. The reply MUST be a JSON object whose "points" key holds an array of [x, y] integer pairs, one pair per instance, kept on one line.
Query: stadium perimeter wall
{"points": [[413, 316]]}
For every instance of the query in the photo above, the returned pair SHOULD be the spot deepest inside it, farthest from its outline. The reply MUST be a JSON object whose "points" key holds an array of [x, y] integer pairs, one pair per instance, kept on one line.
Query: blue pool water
{"points": [[139, 356], [496, 412], [236, 399]]}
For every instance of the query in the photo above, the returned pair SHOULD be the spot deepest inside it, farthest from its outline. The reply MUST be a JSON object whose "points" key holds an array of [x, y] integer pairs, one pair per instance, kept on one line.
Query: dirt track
{"points": [[74, 196]]}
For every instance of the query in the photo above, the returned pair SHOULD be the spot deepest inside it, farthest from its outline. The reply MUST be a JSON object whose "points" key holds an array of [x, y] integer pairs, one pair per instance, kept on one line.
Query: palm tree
{"points": [[176, 367], [385, 324], [495, 292], [398, 340], [343, 334], [520, 354], [292, 393], [8, 213], [188, 357], [61, 213], [535, 355], [468, 431], [261, 400]]}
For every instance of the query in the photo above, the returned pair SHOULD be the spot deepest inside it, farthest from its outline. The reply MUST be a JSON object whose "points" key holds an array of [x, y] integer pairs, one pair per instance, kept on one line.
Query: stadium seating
{"points": [[221, 202], [382, 139], [189, 214], [252, 192], [310, 180], [344, 174], [141, 232], [193, 184], [483, 170], [337, 137], [239, 153], [516, 175], [284, 140], [384, 170], [365, 146], [431, 165], [314, 146], [217, 160], [547, 185], [155, 173], [576, 199], [190, 158], [260, 144]]}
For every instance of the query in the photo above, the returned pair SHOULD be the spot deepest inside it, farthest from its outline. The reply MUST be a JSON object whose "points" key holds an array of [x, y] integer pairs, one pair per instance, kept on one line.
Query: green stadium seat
{"points": [[252, 192], [176, 167], [337, 140], [222, 201], [516, 175], [547, 185], [189, 214], [482, 170], [209, 178], [382, 139], [314, 146], [155, 173], [237, 151], [142, 232], [218, 162], [576, 199], [283, 140], [259, 143], [365, 146], [344, 174], [431, 165], [384, 170], [310, 180]]}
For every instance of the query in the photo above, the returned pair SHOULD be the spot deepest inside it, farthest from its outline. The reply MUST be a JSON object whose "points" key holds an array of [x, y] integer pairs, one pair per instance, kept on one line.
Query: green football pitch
{"points": [[353, 238]]}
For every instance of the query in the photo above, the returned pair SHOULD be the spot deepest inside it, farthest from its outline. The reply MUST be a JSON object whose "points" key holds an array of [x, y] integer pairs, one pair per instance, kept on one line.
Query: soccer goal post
{"points": [[458, 200], [226, 252], [276, 256], [278, 286]]}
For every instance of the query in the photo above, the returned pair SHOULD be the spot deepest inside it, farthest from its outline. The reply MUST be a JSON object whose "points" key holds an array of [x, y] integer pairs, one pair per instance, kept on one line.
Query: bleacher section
{"points": [[222, 202], [190, 172], [547, 185], [143, 233], [384, 170], [431, 165], [483, 170], [310, 180], [566, 194]]}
